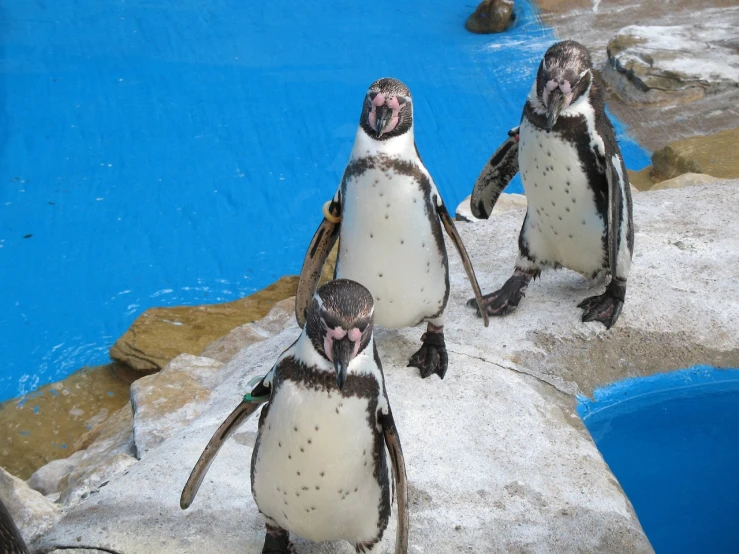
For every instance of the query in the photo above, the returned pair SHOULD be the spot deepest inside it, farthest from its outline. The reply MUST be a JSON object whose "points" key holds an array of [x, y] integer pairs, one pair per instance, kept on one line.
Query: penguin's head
{"points": [[387, 110], [565, 74], [339, 323]]}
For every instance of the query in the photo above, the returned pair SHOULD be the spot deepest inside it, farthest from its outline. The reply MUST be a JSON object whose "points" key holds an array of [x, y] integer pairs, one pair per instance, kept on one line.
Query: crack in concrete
{"points": [[570, 389]]}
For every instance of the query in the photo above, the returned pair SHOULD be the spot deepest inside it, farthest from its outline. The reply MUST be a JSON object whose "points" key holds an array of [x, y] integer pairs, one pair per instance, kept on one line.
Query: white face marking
{"points": [[563, 225]]}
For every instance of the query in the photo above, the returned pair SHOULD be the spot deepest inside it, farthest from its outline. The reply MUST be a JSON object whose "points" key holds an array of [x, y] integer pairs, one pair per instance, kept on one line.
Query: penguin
{"points": [[319, 467], [11, 541], [388, 214], [579, 212]]}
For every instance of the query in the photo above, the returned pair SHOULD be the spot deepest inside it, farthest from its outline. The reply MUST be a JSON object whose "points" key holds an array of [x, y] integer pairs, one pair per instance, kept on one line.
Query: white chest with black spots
{"points": [[388, 244], [314, 472], [563, 225]]}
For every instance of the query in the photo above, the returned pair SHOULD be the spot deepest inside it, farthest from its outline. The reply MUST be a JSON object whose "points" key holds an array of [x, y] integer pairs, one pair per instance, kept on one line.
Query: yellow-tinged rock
{"points": [[714, 155], [160, 334]]}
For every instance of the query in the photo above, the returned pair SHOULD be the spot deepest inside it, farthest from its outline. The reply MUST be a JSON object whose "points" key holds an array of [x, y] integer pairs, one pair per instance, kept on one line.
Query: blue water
{"points": [[168, 152], [672, 440]]}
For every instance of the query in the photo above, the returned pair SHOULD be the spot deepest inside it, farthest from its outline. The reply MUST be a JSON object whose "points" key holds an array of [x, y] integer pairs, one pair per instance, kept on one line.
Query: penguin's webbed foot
{"points": [[277, 541], [505, 300], [431, 357], [606, 307]]}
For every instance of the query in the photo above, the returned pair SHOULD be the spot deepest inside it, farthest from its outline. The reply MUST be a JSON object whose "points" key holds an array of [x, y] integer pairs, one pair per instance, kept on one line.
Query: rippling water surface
{"points": [[178, 152]]}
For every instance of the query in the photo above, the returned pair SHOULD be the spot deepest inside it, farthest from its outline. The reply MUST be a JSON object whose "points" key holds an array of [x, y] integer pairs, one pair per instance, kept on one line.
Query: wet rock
{"points": [[640, 180], [667, 64], [33, 514], [43, 425], [491, 16], [160, 334], [101, 454], [168, 401], [714, 155]]}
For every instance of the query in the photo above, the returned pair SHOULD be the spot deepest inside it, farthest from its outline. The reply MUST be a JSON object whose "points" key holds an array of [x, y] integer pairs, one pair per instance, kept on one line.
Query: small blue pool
{"points": [[672, 440]]}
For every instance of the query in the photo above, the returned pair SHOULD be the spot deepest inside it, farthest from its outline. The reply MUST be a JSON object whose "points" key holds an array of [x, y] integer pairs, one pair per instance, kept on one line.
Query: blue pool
{"points": [[672, 440], [170, 152]]}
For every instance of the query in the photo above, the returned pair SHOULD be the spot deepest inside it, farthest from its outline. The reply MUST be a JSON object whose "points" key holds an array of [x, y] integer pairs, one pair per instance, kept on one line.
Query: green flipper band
{"points": [[255, 399]]}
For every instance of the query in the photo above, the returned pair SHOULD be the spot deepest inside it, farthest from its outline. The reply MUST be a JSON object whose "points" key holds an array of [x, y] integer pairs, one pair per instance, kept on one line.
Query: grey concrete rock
{"points": [[169, 400], [681, 308], [88, 478], [497, 459], [531, 477], [33, 514], [275, 321], [665, 64], [47, 478]]}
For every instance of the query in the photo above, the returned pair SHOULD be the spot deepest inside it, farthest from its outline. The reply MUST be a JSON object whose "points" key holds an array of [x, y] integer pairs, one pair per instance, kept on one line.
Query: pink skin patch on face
{"points": [[338, 333], [565, 87], [392, 103]]}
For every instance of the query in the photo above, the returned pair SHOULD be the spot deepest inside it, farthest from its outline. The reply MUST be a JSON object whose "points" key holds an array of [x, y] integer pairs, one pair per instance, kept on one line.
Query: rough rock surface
{"points": [[531, 477], [160, 334], [594, 23], [32, 513], [714, 155], [275, 321], [689, 180], [167, 401], [680, 310], [498, 460], [664, 64]]}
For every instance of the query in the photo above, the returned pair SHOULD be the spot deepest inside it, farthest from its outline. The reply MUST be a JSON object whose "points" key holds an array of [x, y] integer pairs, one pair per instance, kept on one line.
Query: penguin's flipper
{"points": [[496, 174], [237, 418], [451, 230], [320, 247], [607, 307], [392, 441]]}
